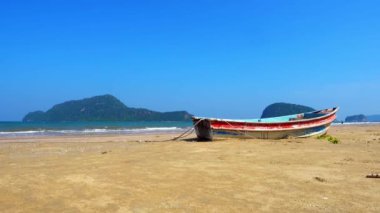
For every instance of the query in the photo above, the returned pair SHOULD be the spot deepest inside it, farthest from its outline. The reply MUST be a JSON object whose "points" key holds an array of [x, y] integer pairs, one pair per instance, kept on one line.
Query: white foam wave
{"points": [[21, 132], [90, 131]]}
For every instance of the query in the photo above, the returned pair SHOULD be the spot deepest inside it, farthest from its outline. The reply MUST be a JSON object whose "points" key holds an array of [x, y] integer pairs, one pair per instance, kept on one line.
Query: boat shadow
{"points": [[194, 140], [202, 141]]}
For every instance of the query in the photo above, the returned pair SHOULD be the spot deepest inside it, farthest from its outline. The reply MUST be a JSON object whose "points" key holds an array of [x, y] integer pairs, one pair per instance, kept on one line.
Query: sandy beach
{"points": [[130, 174]]}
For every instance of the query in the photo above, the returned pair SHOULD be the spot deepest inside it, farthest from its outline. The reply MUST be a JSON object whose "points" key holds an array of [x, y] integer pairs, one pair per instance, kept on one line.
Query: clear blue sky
{"points": [[212, 58]]}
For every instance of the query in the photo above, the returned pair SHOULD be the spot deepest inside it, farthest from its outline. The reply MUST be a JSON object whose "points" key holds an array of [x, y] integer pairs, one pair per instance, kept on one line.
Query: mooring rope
{"points": [[187, 132], [182, 135]]}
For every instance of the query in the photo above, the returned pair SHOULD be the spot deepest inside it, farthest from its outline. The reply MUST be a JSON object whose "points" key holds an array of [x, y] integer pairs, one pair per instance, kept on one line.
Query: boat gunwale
{"points": [[335, 110]]}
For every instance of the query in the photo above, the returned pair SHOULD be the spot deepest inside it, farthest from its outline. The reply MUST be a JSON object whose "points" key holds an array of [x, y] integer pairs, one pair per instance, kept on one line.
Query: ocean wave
{"points": [[21, 132], [47, 132]]}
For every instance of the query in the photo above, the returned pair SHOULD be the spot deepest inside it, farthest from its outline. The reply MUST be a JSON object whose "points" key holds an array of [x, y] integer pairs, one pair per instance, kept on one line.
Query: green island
{"points": [[102, 108]]}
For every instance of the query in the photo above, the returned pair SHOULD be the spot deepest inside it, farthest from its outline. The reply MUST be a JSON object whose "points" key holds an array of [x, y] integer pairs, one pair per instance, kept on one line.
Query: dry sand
{"points": [[118, 174]]}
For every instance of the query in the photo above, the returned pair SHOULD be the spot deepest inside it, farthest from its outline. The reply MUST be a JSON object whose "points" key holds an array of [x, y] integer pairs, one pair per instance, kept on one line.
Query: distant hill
{"points": [[356, 118], [102, 108], [280, 109], [373, 118]]}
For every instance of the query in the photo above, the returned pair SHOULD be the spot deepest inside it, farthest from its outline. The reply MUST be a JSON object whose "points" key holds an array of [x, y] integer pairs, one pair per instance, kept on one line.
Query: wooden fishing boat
{"points": [[297, 125]]}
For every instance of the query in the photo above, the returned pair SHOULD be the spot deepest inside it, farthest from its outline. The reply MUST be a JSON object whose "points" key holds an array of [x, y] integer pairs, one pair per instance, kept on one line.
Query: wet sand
{"points": [[127, 174]]}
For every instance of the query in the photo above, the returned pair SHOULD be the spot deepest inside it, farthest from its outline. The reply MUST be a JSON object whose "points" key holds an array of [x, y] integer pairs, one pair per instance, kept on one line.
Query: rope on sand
{"points": [[187, 132], [182, 135]]}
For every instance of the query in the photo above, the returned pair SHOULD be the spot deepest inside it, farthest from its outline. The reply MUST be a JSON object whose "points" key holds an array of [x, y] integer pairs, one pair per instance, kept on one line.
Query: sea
{"points": [[17, 129]]}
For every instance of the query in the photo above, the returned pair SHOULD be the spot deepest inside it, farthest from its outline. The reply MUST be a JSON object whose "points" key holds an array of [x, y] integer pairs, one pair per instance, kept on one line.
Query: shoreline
{"points": [[133, 135], [106, 138], [92, 132]]}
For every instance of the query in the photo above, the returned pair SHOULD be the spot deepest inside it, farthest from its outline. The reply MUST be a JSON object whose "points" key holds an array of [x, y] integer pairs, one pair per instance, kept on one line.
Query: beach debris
{"points": [[373, 175], [329, 138], [105, 152], [348, 159], [320, 179]]}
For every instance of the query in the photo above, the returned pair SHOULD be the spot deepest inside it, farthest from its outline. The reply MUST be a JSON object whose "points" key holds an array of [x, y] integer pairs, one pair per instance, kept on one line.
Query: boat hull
{"points": [[208, 129], [301, 133]]}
